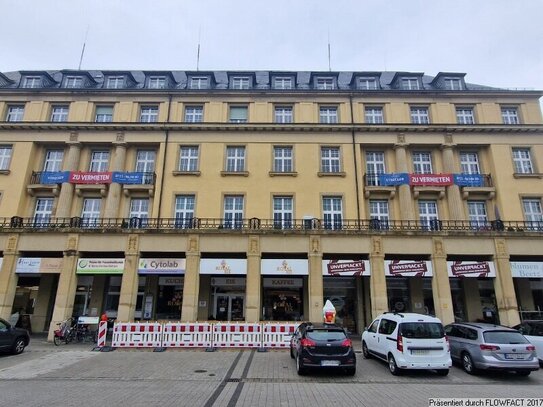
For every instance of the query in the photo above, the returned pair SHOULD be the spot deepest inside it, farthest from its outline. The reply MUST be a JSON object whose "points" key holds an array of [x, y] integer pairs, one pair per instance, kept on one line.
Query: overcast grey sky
{"points": [[496, 42]]}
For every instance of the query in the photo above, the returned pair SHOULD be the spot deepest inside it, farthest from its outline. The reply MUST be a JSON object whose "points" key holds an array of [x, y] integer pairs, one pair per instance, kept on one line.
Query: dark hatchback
{"points": [[322, 346], [13, 339]]}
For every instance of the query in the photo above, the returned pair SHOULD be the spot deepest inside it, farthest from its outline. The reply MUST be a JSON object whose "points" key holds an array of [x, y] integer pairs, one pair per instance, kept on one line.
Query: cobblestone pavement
{"points": [[73, 375]]}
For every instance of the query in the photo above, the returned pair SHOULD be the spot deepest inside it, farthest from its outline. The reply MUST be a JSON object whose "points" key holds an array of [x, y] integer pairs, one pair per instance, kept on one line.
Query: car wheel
{"points": [[523, 372], [300, 369], [467, 364], [442, 372], [291, 353], [18, 346], [350, 371], [365, 351], [393, 367]]}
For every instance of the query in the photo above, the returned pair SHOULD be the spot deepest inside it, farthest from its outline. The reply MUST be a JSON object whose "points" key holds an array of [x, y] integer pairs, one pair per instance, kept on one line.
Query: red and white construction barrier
{"points": [[102, 333], [137, 335], [277, 335], [187, 335], [237, 335]]}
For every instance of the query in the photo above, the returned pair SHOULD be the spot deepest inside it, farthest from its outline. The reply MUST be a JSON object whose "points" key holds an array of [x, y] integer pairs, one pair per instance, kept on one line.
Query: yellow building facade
{"points": [[252, 196]]}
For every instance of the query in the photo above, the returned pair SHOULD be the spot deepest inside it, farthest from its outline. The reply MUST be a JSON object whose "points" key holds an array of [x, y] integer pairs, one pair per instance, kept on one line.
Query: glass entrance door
{"points": [[230, 307]]}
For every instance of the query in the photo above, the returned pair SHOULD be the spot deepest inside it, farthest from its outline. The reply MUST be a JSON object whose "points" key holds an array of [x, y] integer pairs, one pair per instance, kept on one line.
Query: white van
{"points": [[408, 341]]}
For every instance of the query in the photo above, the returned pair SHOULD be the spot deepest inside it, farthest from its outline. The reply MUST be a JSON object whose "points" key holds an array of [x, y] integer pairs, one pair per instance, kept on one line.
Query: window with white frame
{"points": [[523, 161], [374, 115], [241, 82], [419, 115], [53, 160], [428, 215], [233, 211], [282, 82], [533, 214], [149, 114], [139, 208], [73, 82], [194, 114], [282, 212], [5, 157], [104, 114], [199, 82], [91, 211], [43, 211], [469, 162], [283, 114], [235, 158], [59, 113], [332, 212], [367, 83], [15, 113], [510, 115], [379, 214], [328, 114], [325, 83], [188, 158], [238, 114], [422, 162], [145, 160], [375, 165], [452, 83], [184, 211], [410, 83], [477, 214], [156, 82], [32, 82], [115, 82], [282, 159], [330, 159], [464, 115], [99, 161]]}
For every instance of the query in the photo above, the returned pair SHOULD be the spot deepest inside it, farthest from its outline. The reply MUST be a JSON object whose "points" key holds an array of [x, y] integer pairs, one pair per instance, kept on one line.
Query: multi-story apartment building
{"points": [[259, 195]]}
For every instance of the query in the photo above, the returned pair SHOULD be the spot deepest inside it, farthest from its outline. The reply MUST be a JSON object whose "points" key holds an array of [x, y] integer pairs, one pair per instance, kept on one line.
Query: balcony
{"points": [[373, 186], [486, 188], [37, 185]]}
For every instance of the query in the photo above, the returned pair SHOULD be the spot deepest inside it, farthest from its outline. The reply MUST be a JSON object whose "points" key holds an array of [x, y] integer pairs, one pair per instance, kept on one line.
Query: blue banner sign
{"points": [[468, 180], [54, 177], [127, 177], [393, 179]]}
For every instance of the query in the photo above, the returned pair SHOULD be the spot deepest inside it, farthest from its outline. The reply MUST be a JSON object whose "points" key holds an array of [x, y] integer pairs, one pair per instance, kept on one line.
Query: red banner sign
{"points": [[430, 179], [80, 177]]}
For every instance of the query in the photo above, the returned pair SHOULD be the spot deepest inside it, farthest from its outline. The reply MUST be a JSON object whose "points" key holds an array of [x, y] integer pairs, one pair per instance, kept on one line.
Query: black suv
{"points": [[12, 339], [322, 346]]}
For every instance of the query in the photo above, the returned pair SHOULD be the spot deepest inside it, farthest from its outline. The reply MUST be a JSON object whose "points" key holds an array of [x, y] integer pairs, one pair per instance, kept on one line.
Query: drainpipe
{"points": [[166, 141], [355, 162]]}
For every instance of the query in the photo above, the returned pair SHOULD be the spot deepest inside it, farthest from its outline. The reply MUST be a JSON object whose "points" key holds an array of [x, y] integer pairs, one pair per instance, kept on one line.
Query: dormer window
{"points": [[199, 82], [367, 83], [324, 83], [410, 83], [32, 82], [283, 82], [115, 82], [240, 82], [156, 82], [452, 83], [73, 82]]}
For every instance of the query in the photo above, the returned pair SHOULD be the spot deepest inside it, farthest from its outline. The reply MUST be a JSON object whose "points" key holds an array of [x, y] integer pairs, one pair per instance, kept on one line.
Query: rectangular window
{"points": [[238, 114], [194, 114], [156, 82], [43, 211], [99, 161], [328, 114], [233, 211], [477, 214], [510, 115], [522, 161], [235, 159], [32, 82], [115, 82], [240, 82], [453, 83], [145, 161], [104, 114], [91, 212], [73, 82], [59, 114], [374, 115], [422, 162], [410, 83], [5, 157], [149, 114], [419, 115], [139, 208], [367, 83], [464, 115], [469, 162], [199, 82], [15, 113], [282, 159], [428, 215], [53, 160], [188, 159], [283, 114], [375, 165], [282, 82], [282, 212], [379, 214], [332, 212], [184, 211], [330, 159], [533, 214]]}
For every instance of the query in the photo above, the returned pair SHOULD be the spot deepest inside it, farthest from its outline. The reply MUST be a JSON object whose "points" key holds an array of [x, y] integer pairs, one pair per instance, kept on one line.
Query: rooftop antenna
{"points": [[83, 49], [329, 64], [198, 53]]}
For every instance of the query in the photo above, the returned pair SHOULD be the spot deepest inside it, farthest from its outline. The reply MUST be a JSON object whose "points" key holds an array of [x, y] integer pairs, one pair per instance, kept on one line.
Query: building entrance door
{"points": [[229, 307]]}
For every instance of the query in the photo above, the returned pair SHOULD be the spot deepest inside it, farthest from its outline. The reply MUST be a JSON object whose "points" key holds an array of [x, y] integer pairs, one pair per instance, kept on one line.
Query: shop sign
{"points": [[527, 269], [408, 268], [471, 269], [285, 267], [345, 268], [100, 266], [171, 280], [38, 265], [228, 282], [161, 266], [223, 266], [283, 283]]}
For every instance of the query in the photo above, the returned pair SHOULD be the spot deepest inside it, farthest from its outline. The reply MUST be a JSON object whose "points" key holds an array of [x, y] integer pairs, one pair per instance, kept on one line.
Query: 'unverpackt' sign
{"points": [[471, 269], [408, 268], [345, 268]]}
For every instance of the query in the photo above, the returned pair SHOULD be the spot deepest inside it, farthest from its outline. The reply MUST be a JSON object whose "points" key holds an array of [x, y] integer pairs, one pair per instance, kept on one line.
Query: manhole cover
{"points": [[200, 371], [234, 380], [211, 374]]}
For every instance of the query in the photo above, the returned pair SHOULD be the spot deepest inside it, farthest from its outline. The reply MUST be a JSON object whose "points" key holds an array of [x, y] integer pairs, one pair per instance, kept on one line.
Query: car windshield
{"points": [[504, 337], [326, 335], [422, 330]]}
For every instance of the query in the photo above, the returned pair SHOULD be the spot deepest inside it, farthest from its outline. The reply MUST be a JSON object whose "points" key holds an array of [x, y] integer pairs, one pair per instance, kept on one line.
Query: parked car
{"points": [[533, 331], [482, 346], [322, 346], [13, 339], [407, 341]]}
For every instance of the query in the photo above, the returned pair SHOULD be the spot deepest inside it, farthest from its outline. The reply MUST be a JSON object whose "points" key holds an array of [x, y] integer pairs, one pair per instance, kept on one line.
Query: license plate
{"points": [[514, 356], [329, 362], [419, 352]]}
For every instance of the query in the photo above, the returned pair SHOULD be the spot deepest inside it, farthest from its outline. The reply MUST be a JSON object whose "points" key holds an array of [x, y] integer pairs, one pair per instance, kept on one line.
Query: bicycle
{"points": [[65, 333]]}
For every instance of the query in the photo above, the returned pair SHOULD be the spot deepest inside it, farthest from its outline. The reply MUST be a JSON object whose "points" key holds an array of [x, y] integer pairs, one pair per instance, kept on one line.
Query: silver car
{"points": [[481, 346]]}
